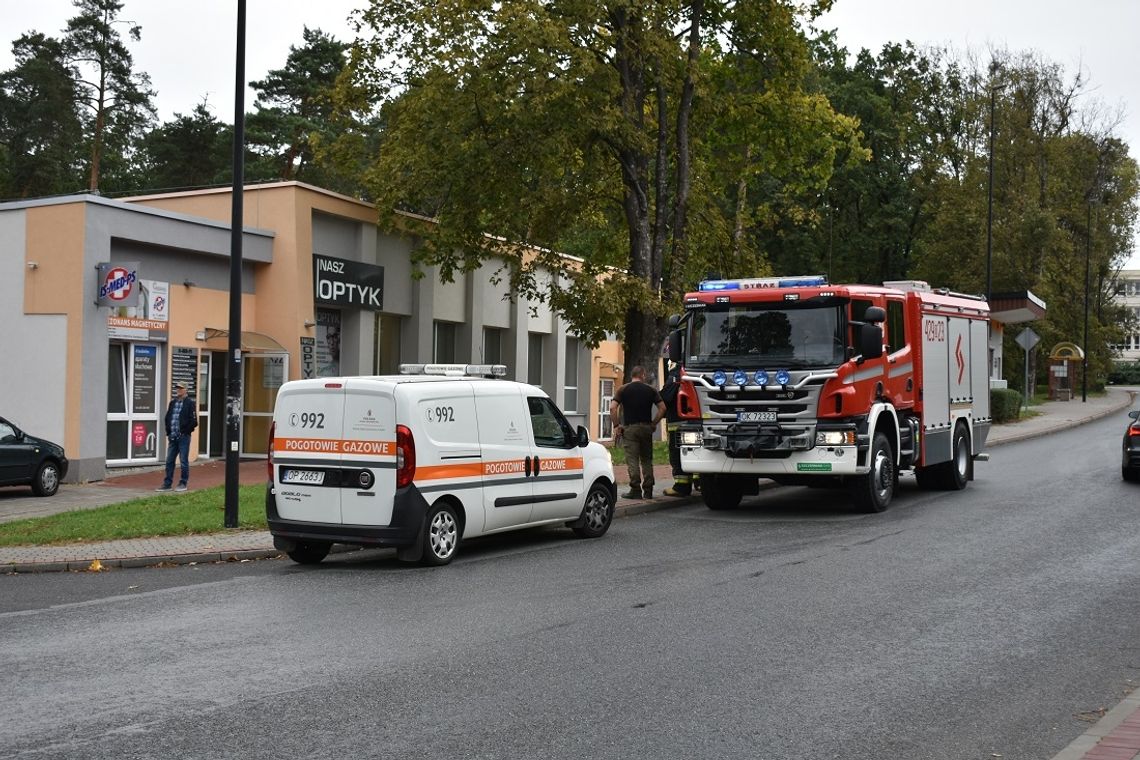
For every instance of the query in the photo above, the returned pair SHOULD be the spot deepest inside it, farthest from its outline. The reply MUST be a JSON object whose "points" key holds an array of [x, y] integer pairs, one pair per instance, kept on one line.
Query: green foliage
{"points": [[660, 454], [1125, 373], [648, 135], [189, 151], [40, 128], [116, 99], [199, 511], [1005, 404]]}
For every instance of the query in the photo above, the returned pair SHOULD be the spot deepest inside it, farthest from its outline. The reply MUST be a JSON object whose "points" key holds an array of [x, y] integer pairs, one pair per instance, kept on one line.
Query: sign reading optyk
{"points": [[117, 284], [348, 283]]}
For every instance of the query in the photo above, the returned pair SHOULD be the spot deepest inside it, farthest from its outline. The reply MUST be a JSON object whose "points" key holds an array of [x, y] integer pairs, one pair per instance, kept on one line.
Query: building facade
{"points": [[111, 301], [1128, 294]]}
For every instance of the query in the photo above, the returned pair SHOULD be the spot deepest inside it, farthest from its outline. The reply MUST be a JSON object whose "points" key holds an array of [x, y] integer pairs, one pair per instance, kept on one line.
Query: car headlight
{"points": [[835, 438], [690, 438]]}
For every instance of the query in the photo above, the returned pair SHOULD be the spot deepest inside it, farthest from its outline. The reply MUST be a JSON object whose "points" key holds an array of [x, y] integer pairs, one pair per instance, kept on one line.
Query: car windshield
{"points": [[790, 335]]}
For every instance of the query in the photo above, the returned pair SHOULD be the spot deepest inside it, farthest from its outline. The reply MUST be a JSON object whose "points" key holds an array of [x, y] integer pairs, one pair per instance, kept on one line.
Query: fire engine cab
{"points": [[803, 382]]}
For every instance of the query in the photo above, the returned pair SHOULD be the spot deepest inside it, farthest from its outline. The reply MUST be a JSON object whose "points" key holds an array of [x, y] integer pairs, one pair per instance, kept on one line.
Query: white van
{"points": [[424, 459]]}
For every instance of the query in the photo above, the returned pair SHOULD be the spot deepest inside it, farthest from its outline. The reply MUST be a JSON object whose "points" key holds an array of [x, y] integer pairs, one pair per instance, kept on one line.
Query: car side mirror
{"points": [[1135, 414], [583, 436]]}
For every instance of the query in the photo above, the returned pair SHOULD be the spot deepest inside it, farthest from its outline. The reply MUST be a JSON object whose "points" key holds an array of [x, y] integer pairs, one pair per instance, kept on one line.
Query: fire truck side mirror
{"points": [[875, 315], [871, 339], [675, 346]]}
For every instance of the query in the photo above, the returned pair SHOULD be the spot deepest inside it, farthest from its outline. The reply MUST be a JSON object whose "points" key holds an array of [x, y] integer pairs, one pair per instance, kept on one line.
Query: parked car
{"points": [[1130, 450], [29, 461]]}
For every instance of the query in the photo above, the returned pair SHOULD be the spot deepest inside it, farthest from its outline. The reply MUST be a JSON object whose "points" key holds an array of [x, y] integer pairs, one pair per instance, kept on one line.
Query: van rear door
{"points": [[308, 428], [368, 464]]}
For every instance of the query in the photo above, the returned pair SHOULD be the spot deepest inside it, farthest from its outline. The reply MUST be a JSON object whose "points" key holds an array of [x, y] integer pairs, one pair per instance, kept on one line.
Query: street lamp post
{"points": [[1085, 344]]}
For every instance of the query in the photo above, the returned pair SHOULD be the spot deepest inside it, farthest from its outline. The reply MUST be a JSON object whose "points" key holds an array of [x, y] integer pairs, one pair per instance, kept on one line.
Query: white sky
{"points": [[188, 48]]}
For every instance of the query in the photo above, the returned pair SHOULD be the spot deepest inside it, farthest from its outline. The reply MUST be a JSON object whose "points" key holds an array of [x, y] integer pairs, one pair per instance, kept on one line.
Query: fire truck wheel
{"points": [[721, 492], [873, 491], [310, 553], [952, 475]]}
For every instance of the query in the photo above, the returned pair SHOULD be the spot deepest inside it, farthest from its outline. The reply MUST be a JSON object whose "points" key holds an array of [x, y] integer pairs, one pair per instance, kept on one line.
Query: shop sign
{"points": [[348, 283], [145, 371], [147, 321], [184, 368], [308, 357], [116, 284]]}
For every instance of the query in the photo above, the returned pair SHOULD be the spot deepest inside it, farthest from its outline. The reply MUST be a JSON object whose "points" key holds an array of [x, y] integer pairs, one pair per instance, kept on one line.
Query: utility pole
{"points": [[237, 212]]}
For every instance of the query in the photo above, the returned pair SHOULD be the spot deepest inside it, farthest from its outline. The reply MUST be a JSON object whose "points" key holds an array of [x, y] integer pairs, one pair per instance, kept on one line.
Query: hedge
{"points": [[1005, 404]]}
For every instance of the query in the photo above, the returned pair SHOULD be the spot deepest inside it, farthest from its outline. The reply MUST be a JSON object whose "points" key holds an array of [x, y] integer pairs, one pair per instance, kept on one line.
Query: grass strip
{"points": [[168, 514], [660, 453]]}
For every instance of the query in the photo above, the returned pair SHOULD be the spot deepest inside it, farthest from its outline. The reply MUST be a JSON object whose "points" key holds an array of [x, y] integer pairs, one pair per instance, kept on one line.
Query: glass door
{"points": [[204, 405], [262, 376], [134, 375], [605, 424]]}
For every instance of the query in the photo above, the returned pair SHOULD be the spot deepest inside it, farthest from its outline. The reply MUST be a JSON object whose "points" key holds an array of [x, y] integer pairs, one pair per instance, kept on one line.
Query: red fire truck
{"points": [[806, 383]]}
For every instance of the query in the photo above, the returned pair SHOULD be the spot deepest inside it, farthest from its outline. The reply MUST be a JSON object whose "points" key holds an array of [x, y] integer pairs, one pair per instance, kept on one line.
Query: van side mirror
{"points": [[583, 436]]}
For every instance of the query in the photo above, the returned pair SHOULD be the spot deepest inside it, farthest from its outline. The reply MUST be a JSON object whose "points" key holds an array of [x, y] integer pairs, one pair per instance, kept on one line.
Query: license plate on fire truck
{"points": [[755, 416]]}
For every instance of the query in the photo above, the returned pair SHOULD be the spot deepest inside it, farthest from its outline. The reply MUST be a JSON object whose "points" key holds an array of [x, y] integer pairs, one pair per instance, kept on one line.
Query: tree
{"points": [[295, 112], [591, 128], [117, 98], [40, 129], [189, 151]]}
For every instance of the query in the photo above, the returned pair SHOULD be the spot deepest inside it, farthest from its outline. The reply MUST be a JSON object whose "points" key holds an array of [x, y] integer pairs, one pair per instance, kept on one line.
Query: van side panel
{"points": [[442, 419], [308, 420], [504, 433], [369, 453]]}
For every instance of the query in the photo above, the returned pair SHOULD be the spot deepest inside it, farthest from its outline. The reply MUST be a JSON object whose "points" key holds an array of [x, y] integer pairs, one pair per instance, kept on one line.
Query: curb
{"points": [[1066, 425], [1104, 729]]}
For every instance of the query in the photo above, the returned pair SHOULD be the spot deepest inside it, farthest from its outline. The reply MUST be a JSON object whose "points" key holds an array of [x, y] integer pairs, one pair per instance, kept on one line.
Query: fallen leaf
{"points": [[96, 566]]}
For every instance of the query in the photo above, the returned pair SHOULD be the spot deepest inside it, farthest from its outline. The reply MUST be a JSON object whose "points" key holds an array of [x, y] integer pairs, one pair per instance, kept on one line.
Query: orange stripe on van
{"points": [[554, 465], [334, 446], [439, 471]]}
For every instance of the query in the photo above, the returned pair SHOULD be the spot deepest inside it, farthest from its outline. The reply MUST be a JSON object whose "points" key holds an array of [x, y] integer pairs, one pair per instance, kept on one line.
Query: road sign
{"points": [[1027, 339]]}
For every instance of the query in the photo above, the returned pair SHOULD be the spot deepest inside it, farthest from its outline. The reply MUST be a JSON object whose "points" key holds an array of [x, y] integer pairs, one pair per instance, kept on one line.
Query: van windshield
{"points": [[768, 334]]}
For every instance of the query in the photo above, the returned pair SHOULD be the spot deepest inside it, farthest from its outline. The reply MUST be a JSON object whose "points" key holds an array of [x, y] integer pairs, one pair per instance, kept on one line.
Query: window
{"points": [[7, 434], [386, 352], [492, 345], [570, 403], [896, 330], [550, 427], [534, 345], [443, 343]]}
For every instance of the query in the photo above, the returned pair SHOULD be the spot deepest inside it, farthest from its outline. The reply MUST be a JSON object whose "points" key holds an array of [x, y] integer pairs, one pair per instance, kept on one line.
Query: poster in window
{"points": [[328, 343], [273, 372], [144, 367], [144, 439]]}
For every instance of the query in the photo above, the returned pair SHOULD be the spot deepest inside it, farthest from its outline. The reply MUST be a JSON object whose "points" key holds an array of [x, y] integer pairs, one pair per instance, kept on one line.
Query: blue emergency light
{"points": [[764, 283]]}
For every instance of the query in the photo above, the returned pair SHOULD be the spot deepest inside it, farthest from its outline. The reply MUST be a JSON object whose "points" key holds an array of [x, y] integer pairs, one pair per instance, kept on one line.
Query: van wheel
{"points": [[597, 514], [873, 492], [46, 482], [441, 534], [310, 553]]}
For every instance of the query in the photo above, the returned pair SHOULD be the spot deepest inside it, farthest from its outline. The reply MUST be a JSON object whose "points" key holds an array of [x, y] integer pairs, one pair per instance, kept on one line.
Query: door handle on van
{"points": [[537, 466], [528, 467]]}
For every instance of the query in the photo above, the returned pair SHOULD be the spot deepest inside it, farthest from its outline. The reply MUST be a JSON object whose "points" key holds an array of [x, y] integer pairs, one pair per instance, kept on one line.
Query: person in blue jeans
{"points": [[181, 419]]}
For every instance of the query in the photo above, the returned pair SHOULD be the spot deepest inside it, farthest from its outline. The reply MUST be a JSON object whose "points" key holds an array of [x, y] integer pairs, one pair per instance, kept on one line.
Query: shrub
{"points": [[1005, 404], [1125, 373]]}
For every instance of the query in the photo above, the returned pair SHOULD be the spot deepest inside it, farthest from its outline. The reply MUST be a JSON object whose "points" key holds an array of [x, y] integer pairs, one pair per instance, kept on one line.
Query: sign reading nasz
{"points": [[348, 283]]}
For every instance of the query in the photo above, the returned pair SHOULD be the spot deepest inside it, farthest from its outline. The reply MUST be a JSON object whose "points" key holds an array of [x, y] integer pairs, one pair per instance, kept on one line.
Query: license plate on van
{"points": [[755, 416], [309, 477]]}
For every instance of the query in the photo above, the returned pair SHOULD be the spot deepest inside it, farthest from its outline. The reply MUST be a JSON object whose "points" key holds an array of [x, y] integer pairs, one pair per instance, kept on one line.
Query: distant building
{"points": [[1128, 294]]}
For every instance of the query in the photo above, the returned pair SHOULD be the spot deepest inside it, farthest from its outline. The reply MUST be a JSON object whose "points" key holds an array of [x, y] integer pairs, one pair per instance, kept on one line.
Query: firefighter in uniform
{"points": [[670, 394]]}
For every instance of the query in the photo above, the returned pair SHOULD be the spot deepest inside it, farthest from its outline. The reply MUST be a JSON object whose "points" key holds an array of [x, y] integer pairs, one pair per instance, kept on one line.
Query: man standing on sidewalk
{"points": [[181, 419], [642, 409]]}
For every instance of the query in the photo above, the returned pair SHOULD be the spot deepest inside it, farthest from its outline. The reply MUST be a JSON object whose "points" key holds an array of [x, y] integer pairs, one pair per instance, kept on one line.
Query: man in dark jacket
{"points": [[181, 419]]}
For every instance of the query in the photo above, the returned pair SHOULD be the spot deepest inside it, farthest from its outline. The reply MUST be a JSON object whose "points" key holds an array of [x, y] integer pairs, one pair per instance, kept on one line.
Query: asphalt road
{"points": [[994, 622]]}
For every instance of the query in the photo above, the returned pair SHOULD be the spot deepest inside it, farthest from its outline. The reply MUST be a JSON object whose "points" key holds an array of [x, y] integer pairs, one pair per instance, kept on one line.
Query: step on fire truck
{"points": [[807, 383]]}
